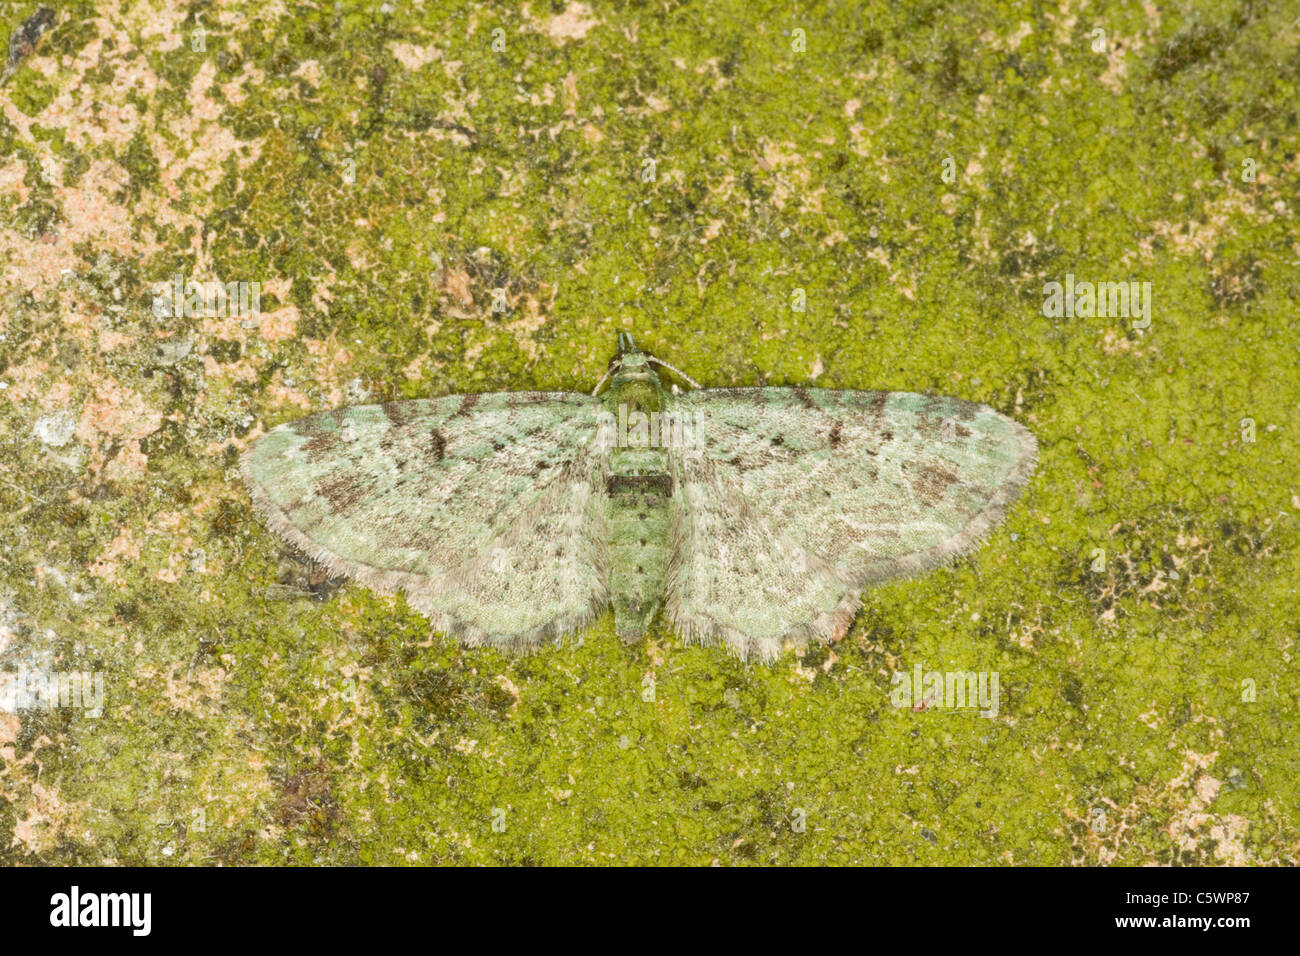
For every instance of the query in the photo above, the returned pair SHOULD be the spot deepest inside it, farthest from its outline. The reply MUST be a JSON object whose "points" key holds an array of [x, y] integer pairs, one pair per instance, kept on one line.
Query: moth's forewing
{"points": [[482, 508]]}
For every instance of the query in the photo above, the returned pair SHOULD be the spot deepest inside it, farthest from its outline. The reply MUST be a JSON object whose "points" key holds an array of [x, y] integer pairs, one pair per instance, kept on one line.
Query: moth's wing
{"points": [[838, 489], [485, 509], [736, 577]]}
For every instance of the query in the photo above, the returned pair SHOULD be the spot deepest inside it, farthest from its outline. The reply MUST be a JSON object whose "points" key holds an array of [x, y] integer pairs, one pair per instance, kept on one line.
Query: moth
{"points": [[749, 516]]}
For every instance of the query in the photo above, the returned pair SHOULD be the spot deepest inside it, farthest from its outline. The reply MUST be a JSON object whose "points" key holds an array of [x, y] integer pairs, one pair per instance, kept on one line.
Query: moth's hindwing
{"points": [[795, 499], [484, 509]]}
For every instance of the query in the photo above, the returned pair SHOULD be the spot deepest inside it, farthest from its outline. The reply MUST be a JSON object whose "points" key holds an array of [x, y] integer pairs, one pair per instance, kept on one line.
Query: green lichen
{"points": [[259, 713]]}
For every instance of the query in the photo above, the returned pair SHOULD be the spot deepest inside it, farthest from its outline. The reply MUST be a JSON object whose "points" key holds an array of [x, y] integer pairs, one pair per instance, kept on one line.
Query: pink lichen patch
{"points": [[1229, 214], [455, 283], [570, 87], [532, 319], [322, 295], [194, 690], [191, 150], [1105, 831], [236, 371], [280, 324], [1229, 836], [200, 168], [276, 325], [169, 521], [108, 340], [1012, 42], [90, 215], [162, 19], [310, 71], [123, 548], [281, 394], [12, 183], [217, 448], [8, 734], [574, 23], [413, 57], [48, 818], [93, 113], [127, 463], [224, 328], [783, 160], [117, 411], [25, 380], [202, 106], [57, 397], [234, 90], [360, 256], [79, 316], [330, 362], [1207, 788]]}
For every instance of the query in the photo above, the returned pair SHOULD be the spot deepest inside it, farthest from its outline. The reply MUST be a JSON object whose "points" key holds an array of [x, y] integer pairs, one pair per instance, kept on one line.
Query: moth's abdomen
{"points": [[640, 512]]}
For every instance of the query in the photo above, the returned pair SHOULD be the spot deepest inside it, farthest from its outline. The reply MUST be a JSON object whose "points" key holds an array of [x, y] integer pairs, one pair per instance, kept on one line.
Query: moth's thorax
{"points": [[637, 403], [639, 375]]}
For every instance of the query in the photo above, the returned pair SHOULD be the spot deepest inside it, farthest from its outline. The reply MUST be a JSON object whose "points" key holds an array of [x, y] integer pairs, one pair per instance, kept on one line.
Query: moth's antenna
{"points": [[693, 383]]}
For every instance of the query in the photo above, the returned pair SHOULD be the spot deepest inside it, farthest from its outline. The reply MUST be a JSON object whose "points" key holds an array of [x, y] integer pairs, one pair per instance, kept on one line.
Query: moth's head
{"points": [[630, 364], [629, 358]]}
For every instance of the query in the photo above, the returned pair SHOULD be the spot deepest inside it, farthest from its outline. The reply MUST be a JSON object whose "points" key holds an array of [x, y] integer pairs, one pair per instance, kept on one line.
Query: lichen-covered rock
{"points": [[212, 222]]}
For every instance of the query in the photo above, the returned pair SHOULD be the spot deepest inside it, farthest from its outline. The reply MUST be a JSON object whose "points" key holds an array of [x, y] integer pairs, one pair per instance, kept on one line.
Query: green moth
{"points": [[749, 516]]}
